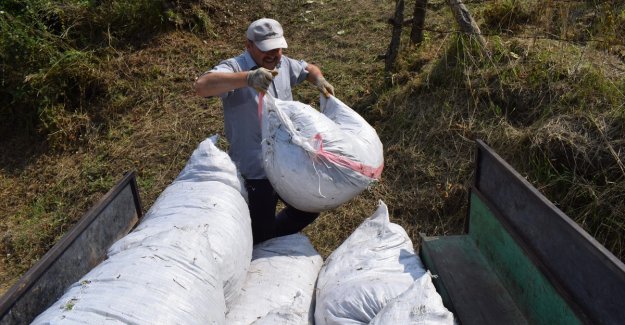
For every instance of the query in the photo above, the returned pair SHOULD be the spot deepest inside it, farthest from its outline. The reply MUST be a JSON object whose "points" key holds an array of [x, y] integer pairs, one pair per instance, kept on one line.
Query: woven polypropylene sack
{"points": [[213, 205], [316, 160], [182, 264], [419, 304], [163, 280], [207, 192], [209, 163], [280, 284], [375, 264]]}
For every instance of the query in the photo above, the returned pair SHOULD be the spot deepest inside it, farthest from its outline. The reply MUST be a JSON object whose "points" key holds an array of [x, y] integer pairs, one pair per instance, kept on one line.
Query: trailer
{"points": [[520, 260], [79, 251]]}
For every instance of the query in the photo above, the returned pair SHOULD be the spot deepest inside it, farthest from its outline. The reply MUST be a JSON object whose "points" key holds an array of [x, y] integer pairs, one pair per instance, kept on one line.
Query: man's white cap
{"points": [[267, 34]]}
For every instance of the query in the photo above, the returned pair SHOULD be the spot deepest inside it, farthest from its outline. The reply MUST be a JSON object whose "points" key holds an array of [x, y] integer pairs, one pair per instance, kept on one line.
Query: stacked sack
{"points": [[185, 262], [374, 277], [190, 260], [280, 285], [316, 160]]}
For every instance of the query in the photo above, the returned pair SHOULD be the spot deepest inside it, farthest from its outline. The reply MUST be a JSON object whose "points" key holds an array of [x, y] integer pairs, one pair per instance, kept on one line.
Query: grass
{"points": [[110, 95]]}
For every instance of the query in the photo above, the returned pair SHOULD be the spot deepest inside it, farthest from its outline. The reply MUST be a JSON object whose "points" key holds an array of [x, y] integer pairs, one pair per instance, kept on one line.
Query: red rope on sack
{"points": [[261, 95], [371, 172]]}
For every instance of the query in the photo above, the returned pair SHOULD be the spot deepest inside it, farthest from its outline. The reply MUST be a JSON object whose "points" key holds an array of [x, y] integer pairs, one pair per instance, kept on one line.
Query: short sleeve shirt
{"points": [[241, 121]]}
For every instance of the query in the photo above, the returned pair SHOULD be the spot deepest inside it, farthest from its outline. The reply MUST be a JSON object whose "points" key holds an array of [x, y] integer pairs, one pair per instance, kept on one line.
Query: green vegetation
{"points": [[92, 89], [70, 304], [55, 57], [553, 108]]}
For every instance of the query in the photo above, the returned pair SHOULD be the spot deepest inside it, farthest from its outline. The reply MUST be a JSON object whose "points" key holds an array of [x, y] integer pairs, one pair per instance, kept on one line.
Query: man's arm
{"points": [[316, 78], [217, 83]]}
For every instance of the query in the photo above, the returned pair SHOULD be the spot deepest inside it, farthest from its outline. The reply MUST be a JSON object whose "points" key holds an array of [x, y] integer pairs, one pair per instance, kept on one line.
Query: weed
{"points": [[508, 16], [70, 304], [108, 84], [609, 24], [543, 104], [50, 57]]}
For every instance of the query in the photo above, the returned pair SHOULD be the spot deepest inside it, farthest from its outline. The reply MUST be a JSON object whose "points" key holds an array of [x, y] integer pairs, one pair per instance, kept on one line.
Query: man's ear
{"points": [[248, 44]]}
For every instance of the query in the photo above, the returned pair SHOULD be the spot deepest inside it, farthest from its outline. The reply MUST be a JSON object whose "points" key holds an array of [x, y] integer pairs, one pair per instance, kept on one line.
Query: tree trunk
{"points": [[393, 48], [418, 20], [466, 22]]}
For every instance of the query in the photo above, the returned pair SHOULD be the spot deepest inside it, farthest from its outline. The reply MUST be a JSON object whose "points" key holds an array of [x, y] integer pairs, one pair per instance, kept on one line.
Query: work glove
{"points": [[261, 78], [324, 87]]}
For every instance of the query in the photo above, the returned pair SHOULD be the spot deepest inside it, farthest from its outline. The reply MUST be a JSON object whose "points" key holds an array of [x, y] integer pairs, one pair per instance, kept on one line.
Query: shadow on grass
{"points": [[18, 148]]}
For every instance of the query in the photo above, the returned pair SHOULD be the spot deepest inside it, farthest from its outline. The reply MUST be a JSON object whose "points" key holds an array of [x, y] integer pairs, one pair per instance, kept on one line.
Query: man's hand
{"points": [[324, 87], [261, 78]]}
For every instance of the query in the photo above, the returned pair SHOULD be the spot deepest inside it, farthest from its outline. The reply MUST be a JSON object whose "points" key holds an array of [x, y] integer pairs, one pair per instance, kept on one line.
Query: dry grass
{"points": [[548, 107], [150, 122]]}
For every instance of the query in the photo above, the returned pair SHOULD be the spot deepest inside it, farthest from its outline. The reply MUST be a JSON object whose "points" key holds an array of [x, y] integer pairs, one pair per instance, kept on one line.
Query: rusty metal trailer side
{"points": [[79, 251]]}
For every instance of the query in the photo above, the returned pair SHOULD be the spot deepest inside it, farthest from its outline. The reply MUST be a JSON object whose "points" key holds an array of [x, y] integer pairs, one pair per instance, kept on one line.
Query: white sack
{"points": [[209, 163], [301, 173], [375, 264], [219, 208], [186, 259], [208, 191], [165, 280], [280, 283], [419, 305]]}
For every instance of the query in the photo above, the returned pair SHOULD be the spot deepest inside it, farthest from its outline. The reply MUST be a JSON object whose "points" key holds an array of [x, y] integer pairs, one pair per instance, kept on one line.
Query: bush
{"points": [[52, 73], [49, 58], [508, 15]]}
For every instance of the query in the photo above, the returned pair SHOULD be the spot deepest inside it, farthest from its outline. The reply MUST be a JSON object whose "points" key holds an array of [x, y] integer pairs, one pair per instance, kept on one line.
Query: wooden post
{"points": [[418, 19], [393, 48], [466, 22]]}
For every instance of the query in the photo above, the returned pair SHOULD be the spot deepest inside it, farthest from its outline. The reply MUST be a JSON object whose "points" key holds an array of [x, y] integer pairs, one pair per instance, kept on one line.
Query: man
{"points": [[237, 81]]}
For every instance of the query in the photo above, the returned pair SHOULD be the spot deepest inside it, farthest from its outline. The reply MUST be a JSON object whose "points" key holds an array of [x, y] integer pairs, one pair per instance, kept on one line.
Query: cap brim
{"points": [[271, 44]]}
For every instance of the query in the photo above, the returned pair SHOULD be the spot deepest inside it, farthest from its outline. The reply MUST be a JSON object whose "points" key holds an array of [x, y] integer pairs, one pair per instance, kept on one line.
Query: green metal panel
{"points": [[467, 284], [525, 282], [427, 256]]}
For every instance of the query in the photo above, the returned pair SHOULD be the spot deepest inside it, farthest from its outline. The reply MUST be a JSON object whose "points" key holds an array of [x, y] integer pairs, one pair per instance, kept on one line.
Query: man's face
{"points": [[268, 60]]}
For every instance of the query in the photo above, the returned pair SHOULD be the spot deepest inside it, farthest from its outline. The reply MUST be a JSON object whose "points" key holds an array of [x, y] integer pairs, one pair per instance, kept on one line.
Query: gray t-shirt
{"points": [[241, 110]]}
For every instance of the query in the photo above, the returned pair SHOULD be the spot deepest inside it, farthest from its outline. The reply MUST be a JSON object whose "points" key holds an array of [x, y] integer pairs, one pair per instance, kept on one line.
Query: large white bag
{"points": [[210, 164], [208, 192], [280, 284], [316, 160], [165, 280], [419, 305], [186, 259], [374, 265], [211, 205]]}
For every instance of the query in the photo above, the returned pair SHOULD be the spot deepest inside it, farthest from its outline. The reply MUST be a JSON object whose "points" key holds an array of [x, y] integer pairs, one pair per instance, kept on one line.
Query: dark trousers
{"points": [[265, 223]]}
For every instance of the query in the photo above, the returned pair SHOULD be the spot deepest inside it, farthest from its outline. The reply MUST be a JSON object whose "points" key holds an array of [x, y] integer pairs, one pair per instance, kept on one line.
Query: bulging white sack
{"points": [[280, 283], [209, 163], [170, 278], [375, 264], [186, 259], [419, 305], [208, 191], [316, 160], [213, 205]]}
